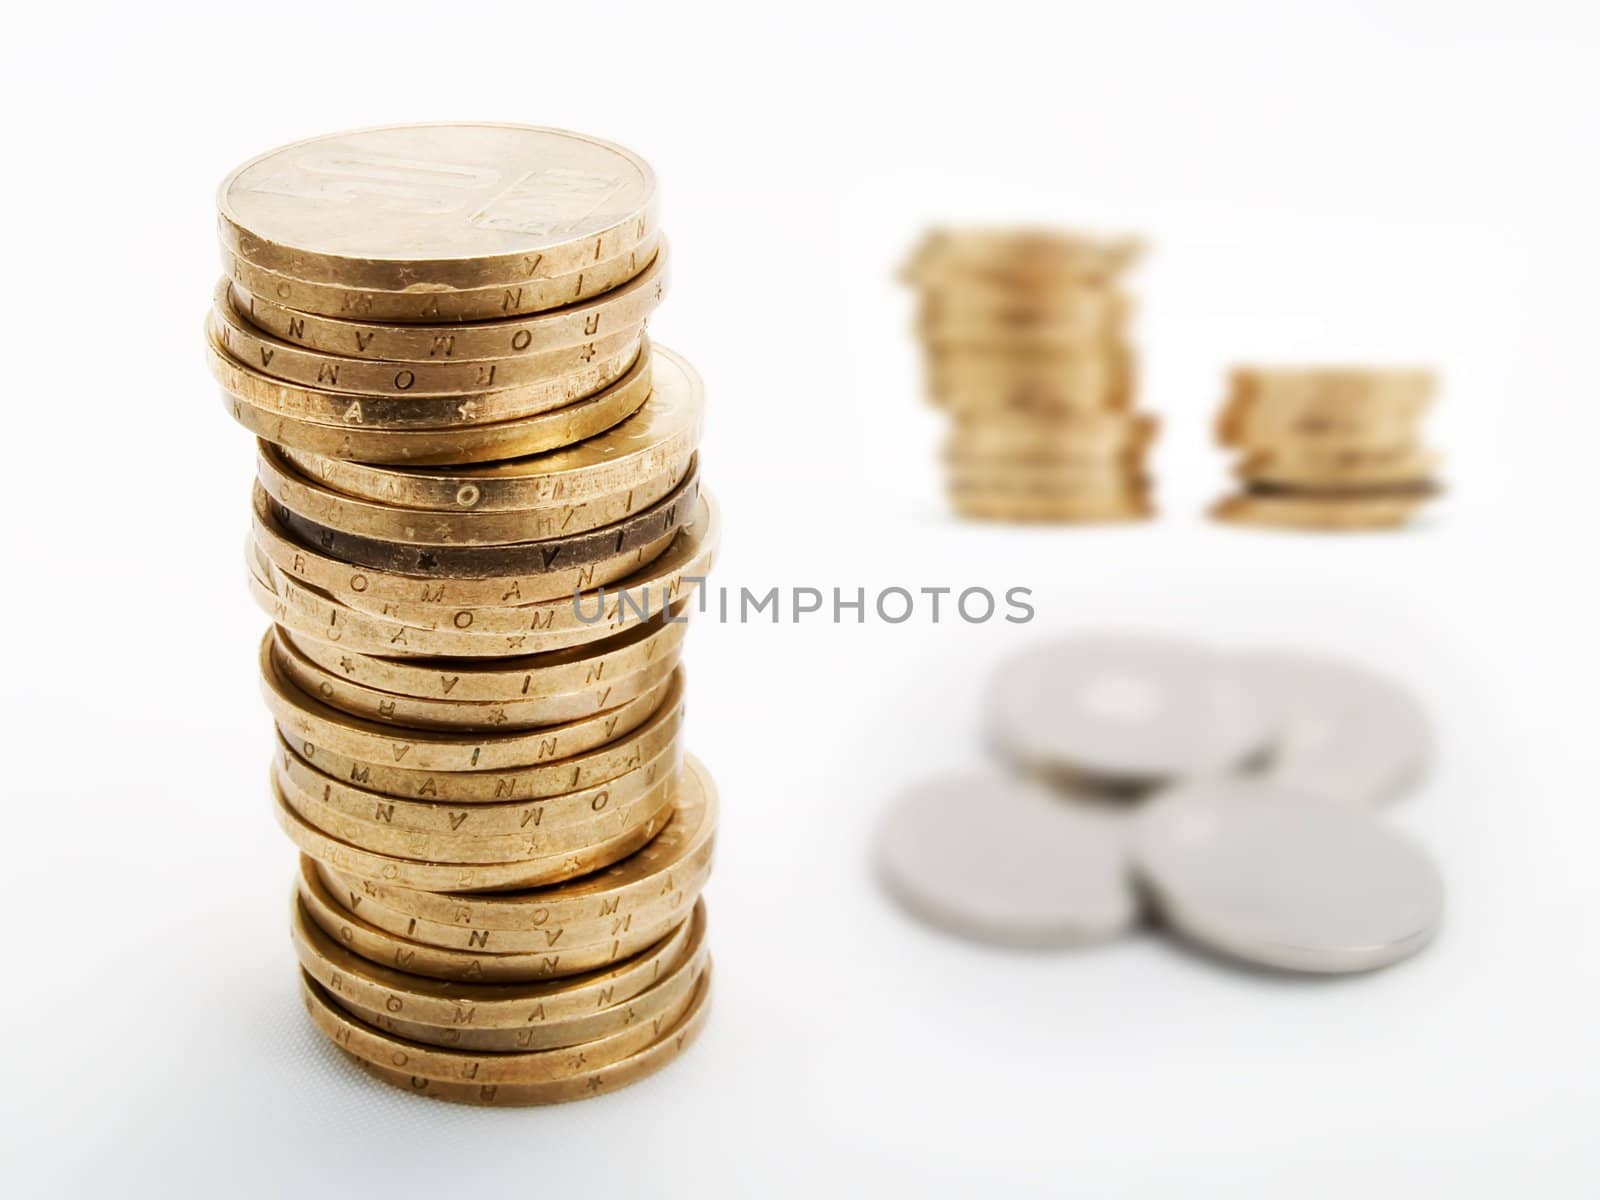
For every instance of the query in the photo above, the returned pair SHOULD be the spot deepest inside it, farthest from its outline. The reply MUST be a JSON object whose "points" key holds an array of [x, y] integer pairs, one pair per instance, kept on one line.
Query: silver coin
{"points": [[1344, 732], [1253, 870], [1120, 710], [1004, 860]]}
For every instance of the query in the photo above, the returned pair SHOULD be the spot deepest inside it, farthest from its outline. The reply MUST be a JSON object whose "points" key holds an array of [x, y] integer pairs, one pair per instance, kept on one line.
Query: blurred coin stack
{"points": [[1329, 449], [477, 525], [1024, 335]]}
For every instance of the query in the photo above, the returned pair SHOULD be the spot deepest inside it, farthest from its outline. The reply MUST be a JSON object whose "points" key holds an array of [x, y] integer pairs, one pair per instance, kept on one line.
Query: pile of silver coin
{"points": [[1231, 798]]}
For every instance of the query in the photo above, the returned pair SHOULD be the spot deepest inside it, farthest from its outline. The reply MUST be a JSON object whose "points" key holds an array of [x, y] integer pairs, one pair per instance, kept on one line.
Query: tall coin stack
{"points": [[477, 527], [1025, 340], [1327, 448]]}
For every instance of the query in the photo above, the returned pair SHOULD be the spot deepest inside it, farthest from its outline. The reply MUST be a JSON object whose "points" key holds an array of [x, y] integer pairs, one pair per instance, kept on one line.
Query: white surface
{"points": [[1408, 182]]}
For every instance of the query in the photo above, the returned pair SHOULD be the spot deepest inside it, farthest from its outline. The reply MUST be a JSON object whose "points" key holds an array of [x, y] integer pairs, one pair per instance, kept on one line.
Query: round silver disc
{"points": [[1004, 860], [1122, 710], [1252, 870], [1344, 732]]}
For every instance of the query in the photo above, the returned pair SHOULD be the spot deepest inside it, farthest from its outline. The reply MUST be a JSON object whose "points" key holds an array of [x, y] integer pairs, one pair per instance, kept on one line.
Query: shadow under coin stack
{"points": [[1327, 449], [478, 523], [1025, 340]]}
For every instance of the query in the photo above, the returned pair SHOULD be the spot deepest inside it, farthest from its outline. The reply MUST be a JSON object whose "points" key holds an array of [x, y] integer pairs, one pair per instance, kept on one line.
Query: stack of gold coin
{"points": [[1025, 340], [477, 526], [1327, 448]]}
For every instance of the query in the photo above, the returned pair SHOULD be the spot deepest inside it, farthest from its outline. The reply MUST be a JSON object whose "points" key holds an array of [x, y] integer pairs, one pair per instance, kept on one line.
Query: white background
{"points": [[1386, 182]]}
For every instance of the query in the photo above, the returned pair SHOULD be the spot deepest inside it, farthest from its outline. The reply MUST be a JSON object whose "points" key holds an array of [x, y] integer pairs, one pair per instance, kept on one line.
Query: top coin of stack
{"points": [[1025, 338], [1327, 448], [436, 294], [477, 520]]}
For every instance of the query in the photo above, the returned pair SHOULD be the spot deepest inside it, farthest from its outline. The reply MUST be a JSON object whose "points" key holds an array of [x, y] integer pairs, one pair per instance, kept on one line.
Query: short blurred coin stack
{"points": [[477, 526], [1025, 339], [1327, 448]]}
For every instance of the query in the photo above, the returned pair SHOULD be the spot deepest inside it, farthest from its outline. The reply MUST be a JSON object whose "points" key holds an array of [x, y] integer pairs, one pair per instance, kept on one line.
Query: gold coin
{"points": [[387, 949], [547, 779], [672, 1042], [1086, 319], [458, 877], [397, 1053], [552, 625], [1047, 509], [1309, 470], [455, 379], [987, 291], [1054, 480], [531, 712], [298, 561], [1407, 388], [562, 810], [1025, 255], [640, 891], [464, 443], [559, 673], [1019, 339], [305, 611], [427, 630], [1046, 472], [491, 851], [386, 522], [1351, 431], [1329, 408], [549, 1007], [346, 989], [663, 432], [650, 1008], [645, 526], [1093, 437], [440, 206], [1040, 402], [977, 385], [325, 406], [662, 871], [1351, 513], [432, 630], [566, 328], [649, 914], [306, 717], [1324, 430], [1004, 363], [441, 307]]}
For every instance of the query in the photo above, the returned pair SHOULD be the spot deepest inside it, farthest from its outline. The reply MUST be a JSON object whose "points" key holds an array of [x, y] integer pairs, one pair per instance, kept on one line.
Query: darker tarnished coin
{"points": [[481, 562]]}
